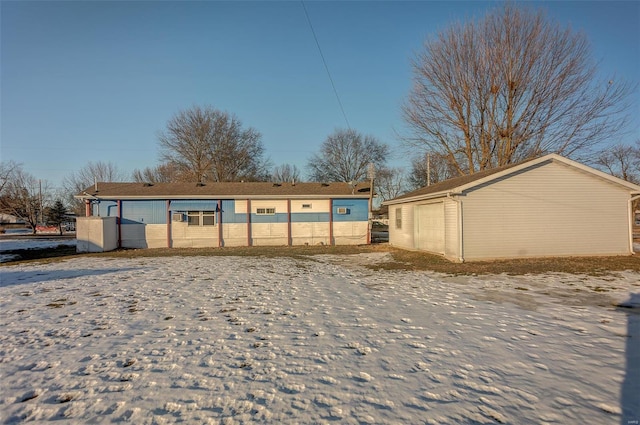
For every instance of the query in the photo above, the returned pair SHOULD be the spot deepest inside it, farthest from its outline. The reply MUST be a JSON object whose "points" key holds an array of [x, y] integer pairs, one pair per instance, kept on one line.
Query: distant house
{"points": [[10, 219], [138, 215], [549, 206]]}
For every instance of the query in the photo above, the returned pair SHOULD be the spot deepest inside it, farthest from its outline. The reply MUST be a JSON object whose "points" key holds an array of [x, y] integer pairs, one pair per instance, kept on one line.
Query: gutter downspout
{"points": [[119, 221], [169, 223], [460, 232], [330, 221], [631, 220], [220, 223], [289, 235], [249, 222]]}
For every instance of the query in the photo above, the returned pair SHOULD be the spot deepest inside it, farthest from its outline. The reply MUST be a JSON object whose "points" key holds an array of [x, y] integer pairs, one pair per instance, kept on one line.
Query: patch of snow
{"points": [[242, 340], [31, 243]]}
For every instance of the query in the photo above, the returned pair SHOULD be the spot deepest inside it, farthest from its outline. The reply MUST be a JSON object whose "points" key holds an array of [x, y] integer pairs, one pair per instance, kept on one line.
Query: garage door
{"points": [[429, 227]]}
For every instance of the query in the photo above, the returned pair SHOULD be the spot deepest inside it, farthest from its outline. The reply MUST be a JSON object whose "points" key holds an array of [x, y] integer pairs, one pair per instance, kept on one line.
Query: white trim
{"points": [[218, 197], [632, 220]]}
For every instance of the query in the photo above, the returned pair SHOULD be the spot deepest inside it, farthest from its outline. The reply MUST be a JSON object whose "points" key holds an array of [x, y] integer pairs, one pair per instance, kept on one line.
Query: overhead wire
{"points": [[326, 67]]}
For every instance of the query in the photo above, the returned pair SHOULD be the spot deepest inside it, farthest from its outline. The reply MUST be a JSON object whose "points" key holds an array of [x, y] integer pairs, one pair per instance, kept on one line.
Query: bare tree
{"points": [[208, 144], [92, 172], [430, 168], [7, 170], [163, 173], [285, 173], [345, 155], [389, 183], [621, 160], [511, 86], [24, 196]]}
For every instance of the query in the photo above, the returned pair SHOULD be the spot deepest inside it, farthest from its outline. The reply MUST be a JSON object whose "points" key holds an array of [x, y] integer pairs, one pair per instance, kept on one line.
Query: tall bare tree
{"points": [[389, 183], [163, 173], [430, 168], [621, 160], [285, 173], [208, 144], [345, 156], [92, 172], [24, 196], [508, 87], [7, 170]]}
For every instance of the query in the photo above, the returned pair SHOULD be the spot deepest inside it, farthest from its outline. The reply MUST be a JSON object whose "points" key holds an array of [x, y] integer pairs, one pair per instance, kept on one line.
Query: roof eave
{"points": [[215, 197], [417, 198]]}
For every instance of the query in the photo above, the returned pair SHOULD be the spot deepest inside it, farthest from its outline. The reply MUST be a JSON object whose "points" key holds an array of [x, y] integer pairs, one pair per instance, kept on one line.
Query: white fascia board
{"points": [[613, 179], [508, 171], [214, 197], [418, 198]]}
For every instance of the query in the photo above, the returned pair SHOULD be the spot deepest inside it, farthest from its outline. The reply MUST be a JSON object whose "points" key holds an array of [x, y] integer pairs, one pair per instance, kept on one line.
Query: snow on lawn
{"points": [[28, 243], [241, 340]]}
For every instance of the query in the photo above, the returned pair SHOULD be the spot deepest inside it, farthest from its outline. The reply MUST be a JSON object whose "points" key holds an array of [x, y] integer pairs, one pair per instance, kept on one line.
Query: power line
{"points": [[326, 67]]}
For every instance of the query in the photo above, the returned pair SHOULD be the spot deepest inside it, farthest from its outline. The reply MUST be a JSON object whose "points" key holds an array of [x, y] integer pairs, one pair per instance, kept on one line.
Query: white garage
{"points": [[549, 206]]}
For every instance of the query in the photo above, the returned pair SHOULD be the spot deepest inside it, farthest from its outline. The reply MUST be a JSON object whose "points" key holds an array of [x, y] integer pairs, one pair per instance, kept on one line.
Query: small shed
{"points": [[545, 207], [189, 215]]}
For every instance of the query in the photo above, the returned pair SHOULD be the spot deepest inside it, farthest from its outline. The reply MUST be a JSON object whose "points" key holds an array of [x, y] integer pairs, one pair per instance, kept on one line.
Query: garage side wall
{"points": [[414, 235], [550, 210], [401, 225]]}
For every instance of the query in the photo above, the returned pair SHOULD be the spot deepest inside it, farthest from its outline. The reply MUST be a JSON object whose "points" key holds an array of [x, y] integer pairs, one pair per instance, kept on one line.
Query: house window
{"points": [[193, 218], [306, 206], [208, 218], [398, 218], [265, 211], [201, 218]]}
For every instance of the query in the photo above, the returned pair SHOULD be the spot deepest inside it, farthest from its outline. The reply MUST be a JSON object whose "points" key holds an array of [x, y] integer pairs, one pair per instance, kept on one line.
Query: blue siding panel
{"points": [[144, 212], [310, 217], [194, 205], [229, 214], [154, 211], [269, 218], [105, 209], [358, 209]]}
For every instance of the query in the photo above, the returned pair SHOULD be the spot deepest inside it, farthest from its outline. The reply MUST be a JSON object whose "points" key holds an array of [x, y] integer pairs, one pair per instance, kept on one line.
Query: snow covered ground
{"points": [[249, 340], [30, 243]]}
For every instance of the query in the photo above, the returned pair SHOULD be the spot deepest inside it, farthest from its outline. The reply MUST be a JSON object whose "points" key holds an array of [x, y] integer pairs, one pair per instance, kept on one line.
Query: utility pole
{"points": [[371, 173], [40, 198]]}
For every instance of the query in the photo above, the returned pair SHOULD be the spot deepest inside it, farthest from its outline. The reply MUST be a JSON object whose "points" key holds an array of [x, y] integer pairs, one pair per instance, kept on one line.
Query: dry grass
{"points": [[402, 260], [412, 260]]}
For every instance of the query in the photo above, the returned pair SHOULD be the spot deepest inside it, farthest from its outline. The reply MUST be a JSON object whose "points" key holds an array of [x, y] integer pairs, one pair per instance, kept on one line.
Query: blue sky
{"points": [[97, 81]]}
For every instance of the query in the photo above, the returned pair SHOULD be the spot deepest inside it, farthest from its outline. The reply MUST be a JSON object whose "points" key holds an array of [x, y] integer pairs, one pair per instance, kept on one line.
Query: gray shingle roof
{"points": [[223, 190], [453, 183]]}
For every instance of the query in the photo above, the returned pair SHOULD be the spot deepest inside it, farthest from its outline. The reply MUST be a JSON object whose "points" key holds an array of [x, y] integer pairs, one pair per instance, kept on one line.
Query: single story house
{"points": [[144, 215], [549, 206]]}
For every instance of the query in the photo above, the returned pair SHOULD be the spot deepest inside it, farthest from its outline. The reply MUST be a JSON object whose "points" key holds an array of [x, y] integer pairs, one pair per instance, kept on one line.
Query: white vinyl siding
{"points": [[429, 227], [451, 232], [402, 237], [551, 210]]}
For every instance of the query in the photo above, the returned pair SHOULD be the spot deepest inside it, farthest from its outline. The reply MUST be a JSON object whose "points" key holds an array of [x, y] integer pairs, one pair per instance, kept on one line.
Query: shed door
{"points": [[429, 227]]}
